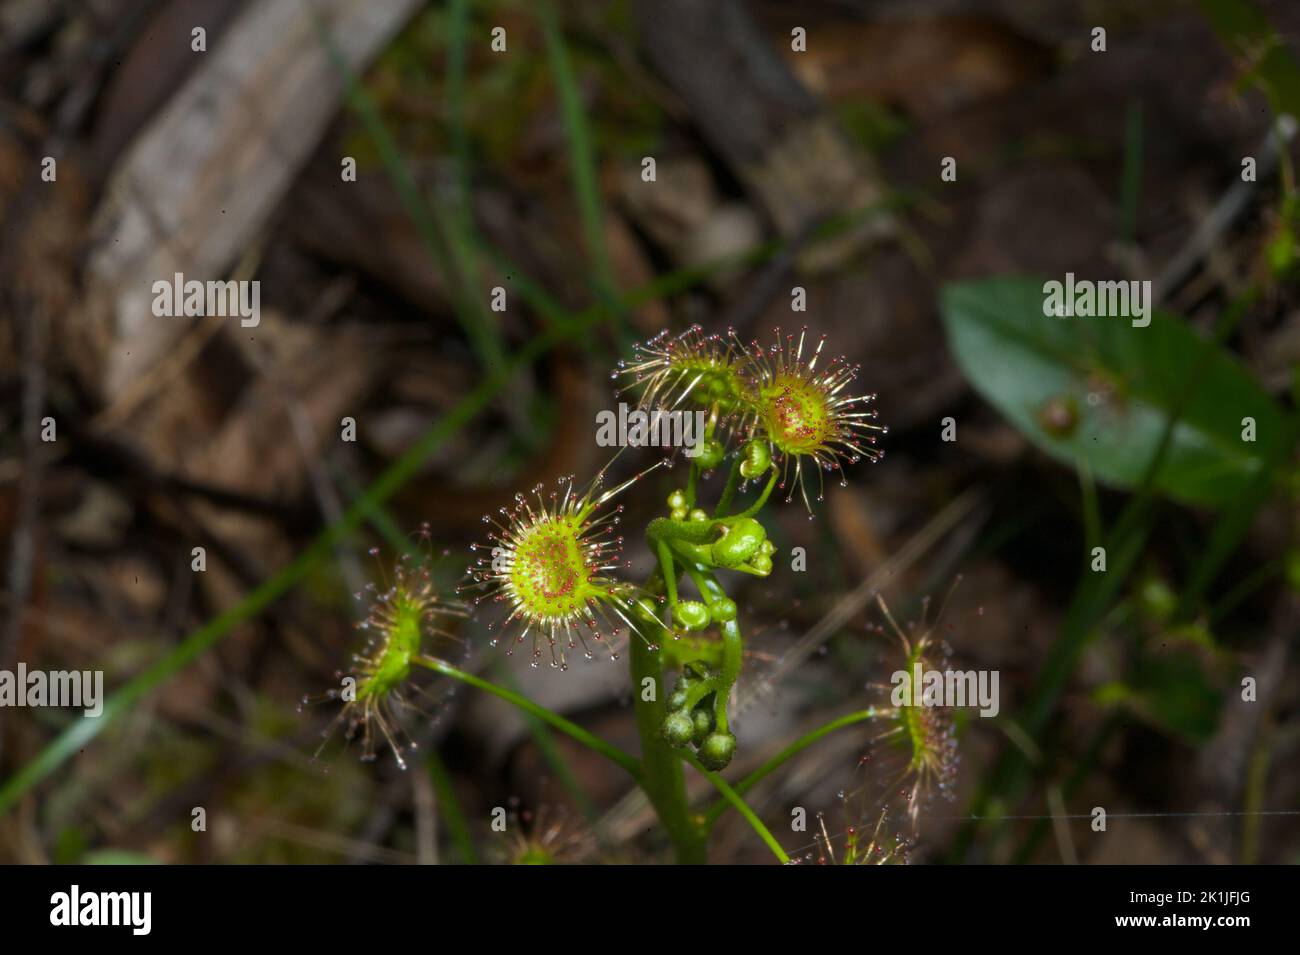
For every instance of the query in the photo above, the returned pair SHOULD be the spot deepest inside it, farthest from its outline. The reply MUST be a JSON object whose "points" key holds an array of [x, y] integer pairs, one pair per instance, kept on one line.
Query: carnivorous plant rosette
{"points": [[693, 370], [385, 685], [861, 843], [693, 367], [792, 410], [806, 413], [549, 559], [553, 561], [917, 749]]}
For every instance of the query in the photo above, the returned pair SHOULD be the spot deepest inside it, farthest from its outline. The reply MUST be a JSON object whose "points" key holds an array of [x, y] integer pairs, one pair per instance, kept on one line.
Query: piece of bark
{"points": [[201, 182], [155, 65]]}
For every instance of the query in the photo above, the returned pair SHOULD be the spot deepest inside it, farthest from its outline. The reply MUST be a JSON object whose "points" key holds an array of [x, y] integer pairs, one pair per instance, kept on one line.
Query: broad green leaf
{"points": [[1098, 392]]}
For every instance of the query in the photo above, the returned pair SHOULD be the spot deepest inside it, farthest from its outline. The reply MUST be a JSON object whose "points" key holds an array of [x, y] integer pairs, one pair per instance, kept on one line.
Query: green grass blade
{"points": [[452, 814], [1131, 182], [457, 49], [449, 252], [582, 154]]}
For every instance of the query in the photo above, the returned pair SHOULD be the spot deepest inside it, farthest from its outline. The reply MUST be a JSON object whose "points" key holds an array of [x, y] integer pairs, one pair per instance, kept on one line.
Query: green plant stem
{"points": [[661, 776], [697, 574], [661, 770], [762, 499], [729, 490], [733, 797], [733, 649], [555, 720], [798, 746], [667, 573]]}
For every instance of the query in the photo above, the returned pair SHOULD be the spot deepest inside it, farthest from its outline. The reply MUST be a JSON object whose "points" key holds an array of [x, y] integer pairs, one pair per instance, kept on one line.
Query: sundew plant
{"points": [[782, 416], [505, 386]]}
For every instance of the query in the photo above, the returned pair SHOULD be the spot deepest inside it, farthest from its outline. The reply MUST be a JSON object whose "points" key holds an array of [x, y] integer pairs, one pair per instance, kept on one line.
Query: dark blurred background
{"points": [[523, 168]]}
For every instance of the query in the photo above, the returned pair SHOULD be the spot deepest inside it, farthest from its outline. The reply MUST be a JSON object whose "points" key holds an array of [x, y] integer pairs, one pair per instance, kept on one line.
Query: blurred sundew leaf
{"points": [[1098, 392], [1172, 692]]}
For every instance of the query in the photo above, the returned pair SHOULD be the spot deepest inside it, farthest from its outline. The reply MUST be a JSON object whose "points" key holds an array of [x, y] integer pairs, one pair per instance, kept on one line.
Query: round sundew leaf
{"points": [[550, 568], [797, 414]]}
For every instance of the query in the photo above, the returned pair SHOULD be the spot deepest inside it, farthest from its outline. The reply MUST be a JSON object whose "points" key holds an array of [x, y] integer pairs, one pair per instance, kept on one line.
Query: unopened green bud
{"points": [[691, 614], [679, 728], [723, 610], [716, 751], [710, 456]]}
